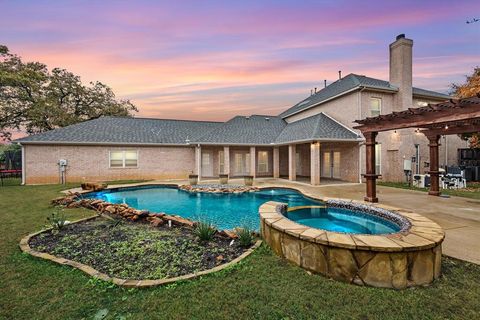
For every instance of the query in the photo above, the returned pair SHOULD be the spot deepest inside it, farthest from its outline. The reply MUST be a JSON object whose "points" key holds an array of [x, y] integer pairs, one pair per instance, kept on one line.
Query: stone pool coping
{"points": [[408, 258], [422, 234], [127, 283]]}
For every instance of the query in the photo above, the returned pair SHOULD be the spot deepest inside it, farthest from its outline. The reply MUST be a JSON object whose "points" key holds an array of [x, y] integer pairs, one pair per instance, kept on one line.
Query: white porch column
{"points": [[276, 162], [292, 166], [315, 163], [226, 160], [252, 162], [198, 161]]}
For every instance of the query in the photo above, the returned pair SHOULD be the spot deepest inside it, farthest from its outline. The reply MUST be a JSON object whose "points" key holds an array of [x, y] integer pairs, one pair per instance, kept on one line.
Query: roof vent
{"points": [[401, 36]]}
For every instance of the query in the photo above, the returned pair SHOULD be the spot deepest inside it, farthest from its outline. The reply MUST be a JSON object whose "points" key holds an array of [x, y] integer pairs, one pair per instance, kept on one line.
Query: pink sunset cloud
{"points": [[211, 60]]}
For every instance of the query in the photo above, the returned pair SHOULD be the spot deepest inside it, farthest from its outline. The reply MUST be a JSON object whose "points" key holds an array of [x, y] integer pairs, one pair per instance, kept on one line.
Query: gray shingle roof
{"points": [[352, 82], [255, 129], [240, 130], [429, 93], [126, 130], [317, 127]]}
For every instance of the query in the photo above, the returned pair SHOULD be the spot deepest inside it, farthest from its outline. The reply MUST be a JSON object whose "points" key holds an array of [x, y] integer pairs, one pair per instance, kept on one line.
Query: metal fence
{"points": [[11, 168], [10, 177]]}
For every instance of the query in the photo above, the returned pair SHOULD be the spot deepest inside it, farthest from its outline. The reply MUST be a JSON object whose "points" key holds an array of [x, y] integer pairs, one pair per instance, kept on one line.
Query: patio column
{"points": [[226, 160], [198, 161], [292, 166], [370, 175], [276, 162], [252, 162], [434, 173], [315, 163]]}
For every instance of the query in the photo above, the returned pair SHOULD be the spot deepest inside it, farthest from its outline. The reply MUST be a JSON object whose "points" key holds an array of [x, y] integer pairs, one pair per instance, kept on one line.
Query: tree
{"points": [[34, 99], [469, 89]]}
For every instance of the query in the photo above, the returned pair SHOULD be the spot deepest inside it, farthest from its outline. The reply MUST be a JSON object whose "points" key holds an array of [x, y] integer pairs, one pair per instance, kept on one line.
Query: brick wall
{"points": [[92, 163]]}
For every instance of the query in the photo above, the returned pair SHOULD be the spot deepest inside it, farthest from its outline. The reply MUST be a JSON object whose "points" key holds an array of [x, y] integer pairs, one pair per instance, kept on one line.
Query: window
{"points": [[262, 161], [221, 162], [375, 106], [378, 159], [242, 163], [123, 159]]}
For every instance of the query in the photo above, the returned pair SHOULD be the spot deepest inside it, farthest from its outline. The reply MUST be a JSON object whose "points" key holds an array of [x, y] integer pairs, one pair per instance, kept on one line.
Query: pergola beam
{"points": [[452, 130], [420, 120], [451, 117]]}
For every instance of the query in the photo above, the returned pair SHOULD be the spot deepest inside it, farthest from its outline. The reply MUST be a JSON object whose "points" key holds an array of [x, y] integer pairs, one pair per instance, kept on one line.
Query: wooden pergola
{"points": [[434, 120]]}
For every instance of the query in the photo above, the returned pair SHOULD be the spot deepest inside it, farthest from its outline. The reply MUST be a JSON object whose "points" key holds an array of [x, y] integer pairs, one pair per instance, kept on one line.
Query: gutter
{"points": [[24, 178], [191, 144]]}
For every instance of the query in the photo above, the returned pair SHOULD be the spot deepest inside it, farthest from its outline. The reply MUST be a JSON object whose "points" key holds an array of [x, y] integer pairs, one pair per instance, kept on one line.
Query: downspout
{"points": [[23, 165], [446, 151], [359, 103]]}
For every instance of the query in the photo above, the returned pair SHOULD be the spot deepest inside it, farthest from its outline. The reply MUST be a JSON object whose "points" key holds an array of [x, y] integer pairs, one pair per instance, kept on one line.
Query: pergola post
{"points": [[370, 175], [434, 172]]}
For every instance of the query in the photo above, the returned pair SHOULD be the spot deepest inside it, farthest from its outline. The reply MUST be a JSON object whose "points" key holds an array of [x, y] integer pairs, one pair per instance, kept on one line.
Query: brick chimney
{"points": [[401, 72]]}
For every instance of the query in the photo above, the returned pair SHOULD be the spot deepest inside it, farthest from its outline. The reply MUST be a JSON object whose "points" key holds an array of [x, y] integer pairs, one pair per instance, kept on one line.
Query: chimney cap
{"points": [[401, 36]]}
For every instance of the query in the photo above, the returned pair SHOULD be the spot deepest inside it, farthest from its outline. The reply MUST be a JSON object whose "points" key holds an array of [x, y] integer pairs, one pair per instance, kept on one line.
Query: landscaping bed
{"points": [[128, 250]]}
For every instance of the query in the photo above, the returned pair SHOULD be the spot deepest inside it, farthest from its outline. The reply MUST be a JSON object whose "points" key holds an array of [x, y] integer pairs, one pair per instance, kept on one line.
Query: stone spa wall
{"points": [[408, 258]]}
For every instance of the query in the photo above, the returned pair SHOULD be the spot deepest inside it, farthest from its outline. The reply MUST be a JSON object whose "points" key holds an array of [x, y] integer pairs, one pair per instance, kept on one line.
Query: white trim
{"points": [[24, 178], [123, 159], [345, 126], [76, 143]]}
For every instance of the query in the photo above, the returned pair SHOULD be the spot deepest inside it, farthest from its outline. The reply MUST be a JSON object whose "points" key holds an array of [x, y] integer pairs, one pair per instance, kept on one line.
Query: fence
{"points": [[11, 168], [10, 177]]}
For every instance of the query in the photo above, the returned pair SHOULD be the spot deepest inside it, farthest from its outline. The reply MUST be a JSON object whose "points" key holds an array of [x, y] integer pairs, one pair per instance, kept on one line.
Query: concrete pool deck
{"points": [[459, 217]]}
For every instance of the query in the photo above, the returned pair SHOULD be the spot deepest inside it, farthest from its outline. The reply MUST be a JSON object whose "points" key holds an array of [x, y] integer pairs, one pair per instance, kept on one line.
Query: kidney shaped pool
{"points": [[230, 210], [225, 210]]}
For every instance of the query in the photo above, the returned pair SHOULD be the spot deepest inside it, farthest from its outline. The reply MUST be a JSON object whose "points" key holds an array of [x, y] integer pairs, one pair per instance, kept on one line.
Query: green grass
{"points": [[472, 191], [262, 287]]}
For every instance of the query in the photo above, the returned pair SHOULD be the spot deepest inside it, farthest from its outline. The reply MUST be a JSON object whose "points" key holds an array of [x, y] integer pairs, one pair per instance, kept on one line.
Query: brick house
{"points": [[312, 140]]}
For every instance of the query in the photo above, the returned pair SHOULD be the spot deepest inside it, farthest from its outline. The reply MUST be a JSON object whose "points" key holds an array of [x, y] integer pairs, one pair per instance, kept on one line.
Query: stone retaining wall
{"points": [[405, 259]]}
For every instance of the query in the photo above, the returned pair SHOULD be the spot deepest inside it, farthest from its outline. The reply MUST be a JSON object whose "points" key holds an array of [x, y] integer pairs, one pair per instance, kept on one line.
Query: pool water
{"points": [[342, 220], [226, 211]]}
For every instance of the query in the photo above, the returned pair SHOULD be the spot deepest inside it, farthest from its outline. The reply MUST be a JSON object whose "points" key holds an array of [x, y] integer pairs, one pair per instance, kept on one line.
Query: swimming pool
{"points": [[225, 210], [342, 220]]}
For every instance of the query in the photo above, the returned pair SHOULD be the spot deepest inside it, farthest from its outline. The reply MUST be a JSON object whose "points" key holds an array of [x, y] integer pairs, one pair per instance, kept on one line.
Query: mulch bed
{"points": [[128, 250]]}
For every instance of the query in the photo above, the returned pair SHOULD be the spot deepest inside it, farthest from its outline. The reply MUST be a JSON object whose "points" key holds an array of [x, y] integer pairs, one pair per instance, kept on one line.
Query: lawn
{"points": [[472, 191], [262, 287]]}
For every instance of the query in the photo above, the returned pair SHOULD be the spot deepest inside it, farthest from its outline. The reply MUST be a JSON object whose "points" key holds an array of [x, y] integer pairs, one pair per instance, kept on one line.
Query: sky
{"points": [[211, 60]]}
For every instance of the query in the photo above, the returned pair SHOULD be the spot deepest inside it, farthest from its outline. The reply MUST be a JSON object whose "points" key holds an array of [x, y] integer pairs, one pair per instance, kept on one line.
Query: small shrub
{"points": [[205, 230], [57, 219], [245, 236]]}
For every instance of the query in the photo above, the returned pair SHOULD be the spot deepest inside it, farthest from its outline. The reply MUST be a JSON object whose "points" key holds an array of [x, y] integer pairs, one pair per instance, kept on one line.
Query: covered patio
{"points": [[447, 118], [309, 162]]}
